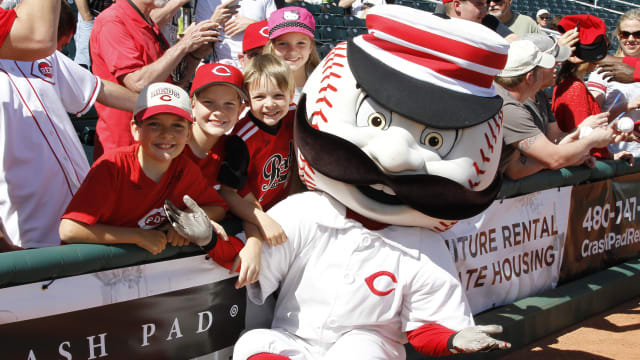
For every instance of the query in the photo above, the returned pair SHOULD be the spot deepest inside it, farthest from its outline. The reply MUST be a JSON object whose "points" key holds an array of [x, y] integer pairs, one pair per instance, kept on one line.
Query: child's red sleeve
{"points": [[92, 202], [224, 252]]}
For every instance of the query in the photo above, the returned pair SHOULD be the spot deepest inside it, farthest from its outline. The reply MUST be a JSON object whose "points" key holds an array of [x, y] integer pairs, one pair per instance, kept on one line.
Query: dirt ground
{"points": [[613, 334]]}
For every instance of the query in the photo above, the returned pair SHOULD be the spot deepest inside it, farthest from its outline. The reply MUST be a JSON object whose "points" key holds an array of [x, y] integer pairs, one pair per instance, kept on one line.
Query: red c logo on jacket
{"points": [[372, 278]]}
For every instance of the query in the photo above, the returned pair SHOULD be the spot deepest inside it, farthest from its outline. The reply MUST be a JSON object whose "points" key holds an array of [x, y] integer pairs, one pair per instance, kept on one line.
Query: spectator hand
{"points": [[193, 224], [224, 12], [236, 25], [249, 261], [272, 232], [476, 338], [176, 239], [590, 161], [153, 241], [198, 35], [618, 71], [601, 136], [570, 39], [594, 121], [624, 155]]}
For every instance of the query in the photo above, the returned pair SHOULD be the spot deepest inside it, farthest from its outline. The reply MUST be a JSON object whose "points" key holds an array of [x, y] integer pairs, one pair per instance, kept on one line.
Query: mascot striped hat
{"points": [[451, 62]]}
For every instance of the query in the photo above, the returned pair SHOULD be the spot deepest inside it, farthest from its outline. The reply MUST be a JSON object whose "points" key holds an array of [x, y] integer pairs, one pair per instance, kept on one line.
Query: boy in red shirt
{"points": [[268, 130], [122, 198]]}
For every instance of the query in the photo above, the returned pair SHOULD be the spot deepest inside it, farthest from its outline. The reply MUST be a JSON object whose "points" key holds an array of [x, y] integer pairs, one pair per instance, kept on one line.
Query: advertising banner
{"points": [[604, 226], [176, 309], [512, 250]]}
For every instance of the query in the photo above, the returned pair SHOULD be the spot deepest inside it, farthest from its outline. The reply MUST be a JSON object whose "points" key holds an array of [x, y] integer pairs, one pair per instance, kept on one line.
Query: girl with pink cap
{"points": [[291, 37]]}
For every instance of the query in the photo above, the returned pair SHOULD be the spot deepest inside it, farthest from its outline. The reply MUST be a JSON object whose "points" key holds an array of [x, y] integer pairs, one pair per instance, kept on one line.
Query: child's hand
{"points": [[153, 241], [219, 230], [176, 239], [272, 232], [249, 261]]}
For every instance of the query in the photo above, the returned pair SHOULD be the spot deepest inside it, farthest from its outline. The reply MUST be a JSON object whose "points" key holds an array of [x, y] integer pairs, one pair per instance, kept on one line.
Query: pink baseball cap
{"points": [[255, 36], [216, 73], [162, 98], [291, 19]]}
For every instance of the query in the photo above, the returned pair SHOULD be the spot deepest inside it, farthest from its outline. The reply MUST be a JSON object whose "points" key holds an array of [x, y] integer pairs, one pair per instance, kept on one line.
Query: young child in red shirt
{"points": [[121, 200], [217, 102], [267, 129]]}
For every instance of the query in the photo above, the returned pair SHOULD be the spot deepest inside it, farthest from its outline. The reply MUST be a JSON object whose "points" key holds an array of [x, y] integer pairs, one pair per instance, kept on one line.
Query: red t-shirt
{"points": [[7, 17], [633, 61], [572, 103], [272, 158], [121, 42], [117, 192], [210, 164]]}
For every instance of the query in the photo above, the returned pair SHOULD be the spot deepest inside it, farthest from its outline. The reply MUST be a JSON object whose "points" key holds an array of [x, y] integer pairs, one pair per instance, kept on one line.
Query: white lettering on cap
{"points": [[291, 15], [221, 70], [264, 31]]}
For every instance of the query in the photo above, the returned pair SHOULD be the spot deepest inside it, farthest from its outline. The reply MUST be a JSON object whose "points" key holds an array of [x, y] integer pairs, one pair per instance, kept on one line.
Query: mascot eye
{"points": [[438, 140], [432, 139], [372, 114], [377, 120]]}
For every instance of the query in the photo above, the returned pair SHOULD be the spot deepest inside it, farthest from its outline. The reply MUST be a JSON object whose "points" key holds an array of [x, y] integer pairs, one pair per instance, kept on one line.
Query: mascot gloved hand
{"points": [[398, 135]]}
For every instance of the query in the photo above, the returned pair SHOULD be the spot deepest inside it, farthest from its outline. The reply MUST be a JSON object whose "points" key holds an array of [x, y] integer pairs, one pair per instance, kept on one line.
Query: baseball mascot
{"points": [[399, 135]]}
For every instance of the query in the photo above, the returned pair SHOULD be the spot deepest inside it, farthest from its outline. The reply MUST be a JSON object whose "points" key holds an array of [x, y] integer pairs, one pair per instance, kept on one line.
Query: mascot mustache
{"points": [[432, 195]]}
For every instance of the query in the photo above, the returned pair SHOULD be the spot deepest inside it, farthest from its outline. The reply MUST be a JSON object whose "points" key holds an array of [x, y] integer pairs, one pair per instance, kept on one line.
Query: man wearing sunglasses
{"points": [[542, 17], [518, 23]]}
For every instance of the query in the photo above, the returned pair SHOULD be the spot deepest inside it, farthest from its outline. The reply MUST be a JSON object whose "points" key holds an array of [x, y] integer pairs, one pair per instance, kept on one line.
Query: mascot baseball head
{"points": [[403, 125]]}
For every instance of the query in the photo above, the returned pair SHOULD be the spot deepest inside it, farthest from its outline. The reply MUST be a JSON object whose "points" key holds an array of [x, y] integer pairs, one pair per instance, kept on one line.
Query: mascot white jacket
{"points": [[399, 135]]}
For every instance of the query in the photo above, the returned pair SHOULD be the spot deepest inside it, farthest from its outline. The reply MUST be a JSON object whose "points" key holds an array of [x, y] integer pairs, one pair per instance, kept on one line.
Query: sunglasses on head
{"points": [[626, 34]]}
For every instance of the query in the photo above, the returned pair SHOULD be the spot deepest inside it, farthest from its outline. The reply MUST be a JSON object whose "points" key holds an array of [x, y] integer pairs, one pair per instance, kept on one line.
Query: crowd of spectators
{"points": [[125, 46]]}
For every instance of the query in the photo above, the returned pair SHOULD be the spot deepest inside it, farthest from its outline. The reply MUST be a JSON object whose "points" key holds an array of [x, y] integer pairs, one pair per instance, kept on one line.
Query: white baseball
{"points": [[625, 124]]}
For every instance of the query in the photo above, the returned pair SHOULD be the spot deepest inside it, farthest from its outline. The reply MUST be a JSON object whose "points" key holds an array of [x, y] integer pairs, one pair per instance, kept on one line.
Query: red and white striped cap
{"points": [[436, 60]]}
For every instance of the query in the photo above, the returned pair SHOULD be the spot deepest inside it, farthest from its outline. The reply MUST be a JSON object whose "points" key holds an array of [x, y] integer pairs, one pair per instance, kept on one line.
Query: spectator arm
{"points": [[117, 96], [163, 15], [34, 33]]}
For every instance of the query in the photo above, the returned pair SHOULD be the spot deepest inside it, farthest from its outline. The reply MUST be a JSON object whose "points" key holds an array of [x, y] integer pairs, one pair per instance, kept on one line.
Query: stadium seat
{"points": [[312, 8], [353, 21], [331, 33], [324, 48], [329, 19], [332, 8]]}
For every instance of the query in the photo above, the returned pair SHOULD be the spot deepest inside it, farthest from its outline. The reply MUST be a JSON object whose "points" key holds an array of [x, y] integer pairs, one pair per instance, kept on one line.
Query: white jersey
{"points": [[43, 162], [611, 89], [228, 49], [335, 276]]}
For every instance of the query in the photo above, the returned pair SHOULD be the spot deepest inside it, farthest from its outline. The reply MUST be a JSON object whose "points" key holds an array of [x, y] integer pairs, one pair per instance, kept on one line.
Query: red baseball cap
{"points": [[162, 98], [592, 45], [216, 73], [255, 36], [446, 1]]}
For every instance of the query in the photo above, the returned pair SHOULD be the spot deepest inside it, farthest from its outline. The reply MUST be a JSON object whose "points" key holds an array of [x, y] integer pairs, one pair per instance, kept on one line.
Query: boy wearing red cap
{"points": [[255, 38], [217, 101], [122, 198]]}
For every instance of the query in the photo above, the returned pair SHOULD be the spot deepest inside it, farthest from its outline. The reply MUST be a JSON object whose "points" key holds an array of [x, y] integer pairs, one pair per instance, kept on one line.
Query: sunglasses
{"points": [[626, 34], [544, 17]]}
